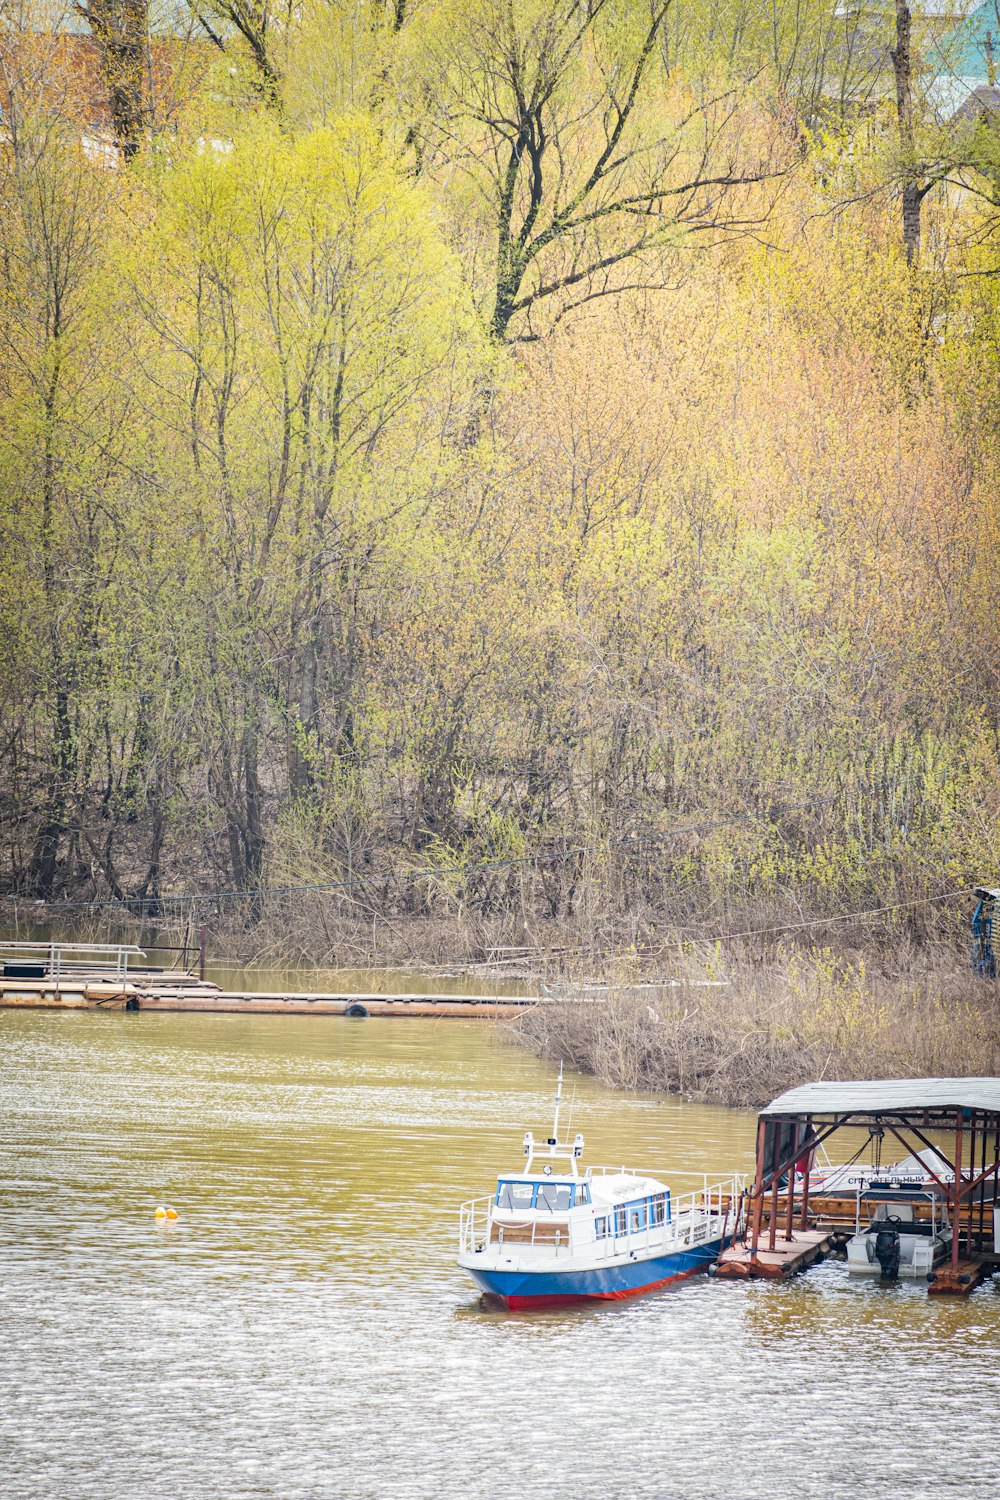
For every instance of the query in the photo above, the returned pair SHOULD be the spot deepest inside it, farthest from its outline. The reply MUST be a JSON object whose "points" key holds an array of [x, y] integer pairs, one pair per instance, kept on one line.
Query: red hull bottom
{"points": [[524, 1304]]}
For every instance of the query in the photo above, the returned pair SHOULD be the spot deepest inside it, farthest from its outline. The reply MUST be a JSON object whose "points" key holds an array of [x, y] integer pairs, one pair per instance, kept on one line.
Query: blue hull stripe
{"points": [[625, 1279]]}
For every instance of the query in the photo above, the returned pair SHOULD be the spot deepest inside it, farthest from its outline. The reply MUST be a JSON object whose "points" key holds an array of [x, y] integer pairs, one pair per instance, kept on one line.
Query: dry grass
{"points": [[433, 929], [800, 1016]]}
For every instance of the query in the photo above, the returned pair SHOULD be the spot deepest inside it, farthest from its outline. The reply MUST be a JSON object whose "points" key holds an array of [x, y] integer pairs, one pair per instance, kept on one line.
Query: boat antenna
{"points": [[555, 1122]]}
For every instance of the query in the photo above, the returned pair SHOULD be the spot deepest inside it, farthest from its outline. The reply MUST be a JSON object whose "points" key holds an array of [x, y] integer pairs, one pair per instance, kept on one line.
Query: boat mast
{"points": [[569, 1151]]}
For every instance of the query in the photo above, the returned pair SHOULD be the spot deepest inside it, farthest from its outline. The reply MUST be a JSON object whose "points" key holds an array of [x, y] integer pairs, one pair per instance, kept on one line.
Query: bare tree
{"points": [[261, 25], [587, 152], [49, 243]]}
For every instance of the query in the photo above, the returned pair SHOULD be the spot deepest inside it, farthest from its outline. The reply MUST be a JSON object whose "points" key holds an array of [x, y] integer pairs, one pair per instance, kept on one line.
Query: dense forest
{"points": [[552, 445]]}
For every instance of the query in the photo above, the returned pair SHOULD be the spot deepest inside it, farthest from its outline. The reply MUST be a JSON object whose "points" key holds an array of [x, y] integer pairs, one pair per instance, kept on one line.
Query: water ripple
{"points": [[302, 1331]]}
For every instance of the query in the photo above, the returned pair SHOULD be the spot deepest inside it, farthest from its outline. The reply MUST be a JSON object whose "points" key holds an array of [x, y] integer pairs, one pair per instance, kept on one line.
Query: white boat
{"points": [[899, 1232], [924, 1169], [551, 1234]]}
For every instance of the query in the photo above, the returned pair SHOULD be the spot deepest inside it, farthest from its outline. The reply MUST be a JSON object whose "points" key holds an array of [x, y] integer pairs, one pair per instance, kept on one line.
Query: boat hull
{"points": [[525, 1289]]}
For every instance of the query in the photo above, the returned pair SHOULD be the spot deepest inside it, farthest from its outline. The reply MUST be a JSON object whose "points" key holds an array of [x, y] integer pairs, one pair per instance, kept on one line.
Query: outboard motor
{"points": [[887, 1253]]}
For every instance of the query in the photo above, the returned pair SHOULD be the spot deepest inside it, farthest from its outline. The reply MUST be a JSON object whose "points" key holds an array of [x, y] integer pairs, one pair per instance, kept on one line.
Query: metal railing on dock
{"points": [[111, 961], [66, 960]]}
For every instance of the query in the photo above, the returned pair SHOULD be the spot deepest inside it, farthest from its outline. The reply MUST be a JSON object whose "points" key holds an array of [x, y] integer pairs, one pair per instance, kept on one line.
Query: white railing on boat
{"points": [[703, 1214]]}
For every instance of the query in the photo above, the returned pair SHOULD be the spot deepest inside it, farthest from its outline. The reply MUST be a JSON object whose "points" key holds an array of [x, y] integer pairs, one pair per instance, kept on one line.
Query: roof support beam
{"points": [[945, 1188], [808, 1144]]}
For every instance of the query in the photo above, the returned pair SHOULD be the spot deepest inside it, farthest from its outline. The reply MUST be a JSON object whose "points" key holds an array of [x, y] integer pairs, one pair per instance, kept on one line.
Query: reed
{"points": [[802, 1015], [500, 925]]}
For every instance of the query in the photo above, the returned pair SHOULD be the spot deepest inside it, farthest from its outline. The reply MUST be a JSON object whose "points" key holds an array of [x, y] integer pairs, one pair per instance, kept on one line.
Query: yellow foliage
{"points": [[703, 582]]}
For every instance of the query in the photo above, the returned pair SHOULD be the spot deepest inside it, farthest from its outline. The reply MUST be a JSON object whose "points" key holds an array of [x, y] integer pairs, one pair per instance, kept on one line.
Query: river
{"points": [[302, 1329]]}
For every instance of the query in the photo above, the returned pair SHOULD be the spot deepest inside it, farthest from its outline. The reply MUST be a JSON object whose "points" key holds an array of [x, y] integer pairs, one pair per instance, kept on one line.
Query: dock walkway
{"points": [[145, 991], [739, 1262]]}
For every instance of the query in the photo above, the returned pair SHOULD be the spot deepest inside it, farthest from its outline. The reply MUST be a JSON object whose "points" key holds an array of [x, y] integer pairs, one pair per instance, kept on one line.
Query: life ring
{"points": [[356, 1011]]}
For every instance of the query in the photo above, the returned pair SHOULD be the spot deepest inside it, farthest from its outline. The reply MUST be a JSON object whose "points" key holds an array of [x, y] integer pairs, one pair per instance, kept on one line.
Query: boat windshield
{"points": [[554, 1195], [515, 1194]]}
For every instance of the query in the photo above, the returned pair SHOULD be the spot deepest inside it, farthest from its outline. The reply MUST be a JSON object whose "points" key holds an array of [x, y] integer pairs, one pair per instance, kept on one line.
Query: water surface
{"points": [[303, 1331]]}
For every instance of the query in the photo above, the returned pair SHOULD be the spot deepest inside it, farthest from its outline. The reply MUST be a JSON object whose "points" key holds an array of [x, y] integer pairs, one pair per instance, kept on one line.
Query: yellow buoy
{"points": [[171, 1213], [161, 1212]]}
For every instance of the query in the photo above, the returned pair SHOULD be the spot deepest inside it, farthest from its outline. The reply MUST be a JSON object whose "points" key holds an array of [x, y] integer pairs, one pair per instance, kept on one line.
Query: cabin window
{"points": [[554, 1196], [582, 1194], [621, 1221], [515, 1194], [601, 1228], [657, 1210], [637, 1217]]}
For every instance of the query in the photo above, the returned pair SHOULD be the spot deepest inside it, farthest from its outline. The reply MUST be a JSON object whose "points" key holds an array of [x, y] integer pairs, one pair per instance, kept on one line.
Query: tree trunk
{"points": [[913, 197], [45, 855], [121, 30], [902, 66]]}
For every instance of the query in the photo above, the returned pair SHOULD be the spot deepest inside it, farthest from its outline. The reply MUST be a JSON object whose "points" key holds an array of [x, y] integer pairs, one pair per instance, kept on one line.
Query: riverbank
{"points": [[733, 1023], [795, 1016], [448, 939]]}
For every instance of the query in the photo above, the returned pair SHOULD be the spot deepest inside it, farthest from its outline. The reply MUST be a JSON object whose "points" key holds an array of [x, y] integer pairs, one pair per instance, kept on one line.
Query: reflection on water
{"points": [[301, 979], [302, 1329]]}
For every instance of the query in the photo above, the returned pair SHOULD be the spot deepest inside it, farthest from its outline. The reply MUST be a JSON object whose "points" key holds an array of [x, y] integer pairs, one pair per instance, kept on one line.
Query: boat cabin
{"points": [[617, 1204]]}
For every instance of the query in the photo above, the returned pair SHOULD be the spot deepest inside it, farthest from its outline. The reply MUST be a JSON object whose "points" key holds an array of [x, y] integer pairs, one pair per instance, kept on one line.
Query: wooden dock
{"points": [[958, 1281], [149, 992], [790, 1255]]}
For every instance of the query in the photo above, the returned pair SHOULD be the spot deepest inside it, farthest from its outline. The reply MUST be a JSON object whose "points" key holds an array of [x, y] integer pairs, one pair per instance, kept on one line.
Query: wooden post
{"points": [[758, 1187], [790, 1205], [804, 1214], [983, 1122], [201, 953], [956, 1224], [772, 1223]]}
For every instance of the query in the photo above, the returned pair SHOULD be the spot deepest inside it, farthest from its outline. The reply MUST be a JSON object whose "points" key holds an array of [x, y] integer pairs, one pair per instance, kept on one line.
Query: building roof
{"points": [[962, 67], [73, 85], [888, 1096], [171, 18], [963, 101]]}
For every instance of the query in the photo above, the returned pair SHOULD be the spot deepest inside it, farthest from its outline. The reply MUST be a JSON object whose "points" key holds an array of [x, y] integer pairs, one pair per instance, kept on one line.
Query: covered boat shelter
{"points": [[952, 1123]]}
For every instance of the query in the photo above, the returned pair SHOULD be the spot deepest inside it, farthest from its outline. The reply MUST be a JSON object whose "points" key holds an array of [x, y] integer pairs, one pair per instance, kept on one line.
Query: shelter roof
{"points": [[888, 1096]]}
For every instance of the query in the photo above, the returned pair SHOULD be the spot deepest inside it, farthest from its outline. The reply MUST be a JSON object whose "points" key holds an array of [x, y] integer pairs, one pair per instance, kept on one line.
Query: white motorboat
{"points": [[899, 1232], [923, 1169]]}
